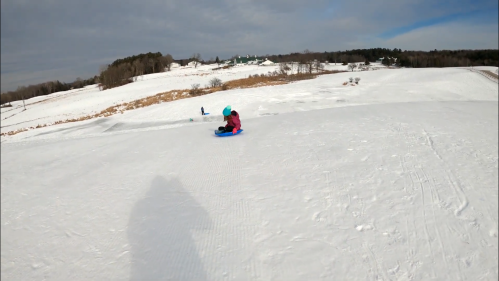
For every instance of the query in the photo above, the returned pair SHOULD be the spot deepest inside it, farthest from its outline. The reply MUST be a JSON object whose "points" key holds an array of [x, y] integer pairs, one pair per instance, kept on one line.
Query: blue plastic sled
{"points": [[227, 134]]}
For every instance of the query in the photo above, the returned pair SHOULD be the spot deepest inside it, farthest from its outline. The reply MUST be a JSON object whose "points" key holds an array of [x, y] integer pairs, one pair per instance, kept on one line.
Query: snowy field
{"points": [[392, 179]]}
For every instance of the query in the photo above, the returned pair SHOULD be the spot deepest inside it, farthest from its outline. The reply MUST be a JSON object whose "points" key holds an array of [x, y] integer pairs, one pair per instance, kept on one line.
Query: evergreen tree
{"points": [[386, 61]]}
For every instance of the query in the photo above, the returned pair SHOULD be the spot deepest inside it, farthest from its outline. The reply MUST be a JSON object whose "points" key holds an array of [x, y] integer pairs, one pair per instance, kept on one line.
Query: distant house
{"points": [[247, 60], [267, 63], [380, 60]]}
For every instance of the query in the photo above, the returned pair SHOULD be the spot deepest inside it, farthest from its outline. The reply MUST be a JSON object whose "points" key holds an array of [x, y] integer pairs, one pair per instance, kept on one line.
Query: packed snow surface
{"points": [[395, 178]]}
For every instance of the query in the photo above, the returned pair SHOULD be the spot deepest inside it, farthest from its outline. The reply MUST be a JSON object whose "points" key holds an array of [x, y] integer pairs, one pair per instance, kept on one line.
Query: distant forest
{"points": [[126, 70], [416, 59]]}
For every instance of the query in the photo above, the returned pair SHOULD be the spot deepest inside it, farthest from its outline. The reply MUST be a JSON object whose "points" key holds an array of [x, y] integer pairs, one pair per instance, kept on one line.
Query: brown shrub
{"points": [[195, 90]]}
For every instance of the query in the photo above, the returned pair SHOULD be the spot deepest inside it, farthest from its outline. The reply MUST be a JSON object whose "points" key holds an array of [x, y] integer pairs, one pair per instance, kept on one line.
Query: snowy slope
{"points": [[393, 179], [325, 91], [82, 102], [78, 103]]}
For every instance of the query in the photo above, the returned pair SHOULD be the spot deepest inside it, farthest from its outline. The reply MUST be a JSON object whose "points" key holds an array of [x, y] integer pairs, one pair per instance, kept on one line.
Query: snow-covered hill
{"points": [[392, 179]]}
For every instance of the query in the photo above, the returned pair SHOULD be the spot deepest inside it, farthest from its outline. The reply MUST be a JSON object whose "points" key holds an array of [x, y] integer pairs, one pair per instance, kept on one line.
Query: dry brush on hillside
{"points": [[269, 79]]}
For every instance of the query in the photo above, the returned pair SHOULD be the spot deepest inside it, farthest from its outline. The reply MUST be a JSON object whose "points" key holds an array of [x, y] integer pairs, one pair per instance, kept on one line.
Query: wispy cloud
{"points": [[447, 36], [51, 39], [474, 16]]}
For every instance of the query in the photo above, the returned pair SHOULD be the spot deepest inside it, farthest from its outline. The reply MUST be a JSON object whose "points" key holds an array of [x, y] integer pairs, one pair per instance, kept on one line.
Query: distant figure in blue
{"points": [[202, 110]]}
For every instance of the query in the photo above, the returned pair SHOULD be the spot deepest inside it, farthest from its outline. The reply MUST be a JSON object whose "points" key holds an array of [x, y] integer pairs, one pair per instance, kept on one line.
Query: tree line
{"points": [[416, 59], [42, 89], [126, 70]]}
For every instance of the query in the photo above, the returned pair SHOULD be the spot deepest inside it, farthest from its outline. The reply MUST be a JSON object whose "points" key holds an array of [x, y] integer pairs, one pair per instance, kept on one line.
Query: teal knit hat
{"points": [[227, 110]]}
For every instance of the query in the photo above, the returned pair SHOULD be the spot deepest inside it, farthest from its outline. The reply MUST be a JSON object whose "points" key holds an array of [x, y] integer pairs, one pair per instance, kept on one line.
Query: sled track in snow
{"points": [[380, 192]]}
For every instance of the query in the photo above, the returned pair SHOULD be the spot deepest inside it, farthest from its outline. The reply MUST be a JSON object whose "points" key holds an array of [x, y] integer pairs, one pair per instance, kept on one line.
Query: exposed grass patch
{"points": [[271, 78], [490, 73]]}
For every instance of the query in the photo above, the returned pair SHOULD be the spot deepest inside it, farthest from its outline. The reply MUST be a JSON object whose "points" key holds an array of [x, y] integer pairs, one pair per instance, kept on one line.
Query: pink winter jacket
{"points": [[233, 120]]}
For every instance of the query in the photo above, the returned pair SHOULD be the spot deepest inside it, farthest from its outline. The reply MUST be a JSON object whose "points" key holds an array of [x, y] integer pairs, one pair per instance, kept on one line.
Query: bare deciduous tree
{"points": [[284, 68], [318, 66], [5, 98], [139, 67], [195, 90], [102, 68], [302, 67], [152, 64], [215, 82], [22, 91], [196, 58], [310, 66], [167, 61], [49, 86], [78, 83]]}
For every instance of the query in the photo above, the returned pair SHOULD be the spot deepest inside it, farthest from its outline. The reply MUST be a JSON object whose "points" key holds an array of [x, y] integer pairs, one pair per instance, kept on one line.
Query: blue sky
{"points": [[64, 39]]}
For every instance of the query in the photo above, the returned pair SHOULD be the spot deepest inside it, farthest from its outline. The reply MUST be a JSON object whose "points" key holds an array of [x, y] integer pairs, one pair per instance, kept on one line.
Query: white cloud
{"points": [[46, 35]]}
